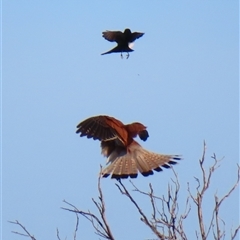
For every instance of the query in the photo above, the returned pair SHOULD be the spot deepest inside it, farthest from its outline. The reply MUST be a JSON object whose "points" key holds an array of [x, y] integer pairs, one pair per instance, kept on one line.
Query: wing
{"points": [[102, 128], [113, 36], [135, 36]]}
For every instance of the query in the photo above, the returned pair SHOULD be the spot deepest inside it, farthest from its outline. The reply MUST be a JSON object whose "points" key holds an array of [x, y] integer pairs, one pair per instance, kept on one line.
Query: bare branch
{"points": [[232, 189], [100, 225], [125, 192], [218, 204], [24, 229], [96, 222], [58, 237], [165, 224], [198, 199], [76, 228], [235, 232], [200, 192]]}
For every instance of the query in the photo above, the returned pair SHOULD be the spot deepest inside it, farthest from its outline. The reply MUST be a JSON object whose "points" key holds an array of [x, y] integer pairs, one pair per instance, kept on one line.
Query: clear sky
{"points": [[181, 82]]}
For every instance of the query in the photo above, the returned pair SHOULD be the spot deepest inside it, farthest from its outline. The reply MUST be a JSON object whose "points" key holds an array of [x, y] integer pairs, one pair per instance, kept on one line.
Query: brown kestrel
{"points": [[124, 155], [122, 39]]}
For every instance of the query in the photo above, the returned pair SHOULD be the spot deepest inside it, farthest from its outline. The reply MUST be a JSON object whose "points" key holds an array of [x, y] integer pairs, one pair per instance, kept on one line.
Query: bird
{"points": [[125, 156], [123, 39]]}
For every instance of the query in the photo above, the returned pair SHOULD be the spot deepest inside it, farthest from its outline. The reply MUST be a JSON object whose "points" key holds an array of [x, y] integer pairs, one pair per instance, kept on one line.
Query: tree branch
{"points": [[125, 192], [100, 225], [205, 183], [24, 229]]}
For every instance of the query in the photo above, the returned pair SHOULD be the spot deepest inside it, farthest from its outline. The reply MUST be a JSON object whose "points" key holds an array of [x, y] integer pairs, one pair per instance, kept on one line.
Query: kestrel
{"points": [[122, 39], [124, 155]]}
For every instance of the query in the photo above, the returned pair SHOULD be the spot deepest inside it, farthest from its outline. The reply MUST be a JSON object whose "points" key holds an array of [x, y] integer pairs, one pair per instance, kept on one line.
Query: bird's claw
{"points": [[121, 56], [127, 56]]}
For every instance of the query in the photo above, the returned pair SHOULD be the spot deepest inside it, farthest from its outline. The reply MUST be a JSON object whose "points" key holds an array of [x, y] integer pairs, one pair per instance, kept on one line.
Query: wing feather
{"points": [[97, 128], [135, 36], [113, 36]]}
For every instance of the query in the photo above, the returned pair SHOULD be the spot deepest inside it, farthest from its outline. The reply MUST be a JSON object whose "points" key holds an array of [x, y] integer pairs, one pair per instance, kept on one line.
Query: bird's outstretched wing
{"points": [[103, 128], [135, 36], [113, 36]]}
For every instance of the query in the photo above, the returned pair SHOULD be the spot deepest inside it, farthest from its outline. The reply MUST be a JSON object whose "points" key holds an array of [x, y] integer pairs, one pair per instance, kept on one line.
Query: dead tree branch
{"points": [[100, 225], [75, 230], [201, 188], [166, 219], [125, 192], [26, 234]]}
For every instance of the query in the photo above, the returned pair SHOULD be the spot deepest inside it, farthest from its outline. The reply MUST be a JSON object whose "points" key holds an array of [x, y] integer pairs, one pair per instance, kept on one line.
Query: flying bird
{"points": [[123, 39], [125, 156]]}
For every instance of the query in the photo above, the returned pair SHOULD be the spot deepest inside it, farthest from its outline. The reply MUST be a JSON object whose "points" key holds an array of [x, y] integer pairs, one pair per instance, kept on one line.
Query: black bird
{"points": [[122, 39]]}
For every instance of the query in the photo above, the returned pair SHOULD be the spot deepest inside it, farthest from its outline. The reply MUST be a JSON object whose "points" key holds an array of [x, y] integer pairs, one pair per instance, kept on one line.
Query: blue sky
{"points": [[181, 82]]}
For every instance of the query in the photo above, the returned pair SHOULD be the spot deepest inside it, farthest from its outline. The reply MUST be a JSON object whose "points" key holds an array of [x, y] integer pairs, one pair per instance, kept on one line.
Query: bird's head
{"points": [[137, 128], [143, 135], [127, 31]]}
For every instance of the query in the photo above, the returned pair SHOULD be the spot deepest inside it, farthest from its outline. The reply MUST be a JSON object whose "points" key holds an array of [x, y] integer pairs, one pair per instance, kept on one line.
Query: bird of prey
{"points": [[123, 39], [125, 156]]}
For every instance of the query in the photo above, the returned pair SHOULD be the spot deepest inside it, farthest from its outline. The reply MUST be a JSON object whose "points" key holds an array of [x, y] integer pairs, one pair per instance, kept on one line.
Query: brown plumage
{"points": [[122, 39], [124, 155]]}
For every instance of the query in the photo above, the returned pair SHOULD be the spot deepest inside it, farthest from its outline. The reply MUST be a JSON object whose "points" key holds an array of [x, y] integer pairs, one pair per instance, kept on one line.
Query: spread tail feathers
{"points": [[124, 164], [118, 49]]}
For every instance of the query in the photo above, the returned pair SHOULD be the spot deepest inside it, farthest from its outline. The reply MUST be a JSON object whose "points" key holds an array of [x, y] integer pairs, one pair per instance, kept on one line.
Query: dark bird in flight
{"points": [[123, 39], [124, 155]]}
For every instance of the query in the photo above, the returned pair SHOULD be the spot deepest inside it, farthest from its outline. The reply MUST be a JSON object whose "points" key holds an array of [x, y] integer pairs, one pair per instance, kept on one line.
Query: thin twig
{"points": [[125, 192], [235, 232], [24, 229], [201, 189], [100, 225]]}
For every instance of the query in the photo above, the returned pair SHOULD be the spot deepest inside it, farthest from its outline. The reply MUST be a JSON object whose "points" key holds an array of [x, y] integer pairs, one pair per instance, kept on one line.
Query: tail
{"points": [[124, 164], [119, 49]]}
